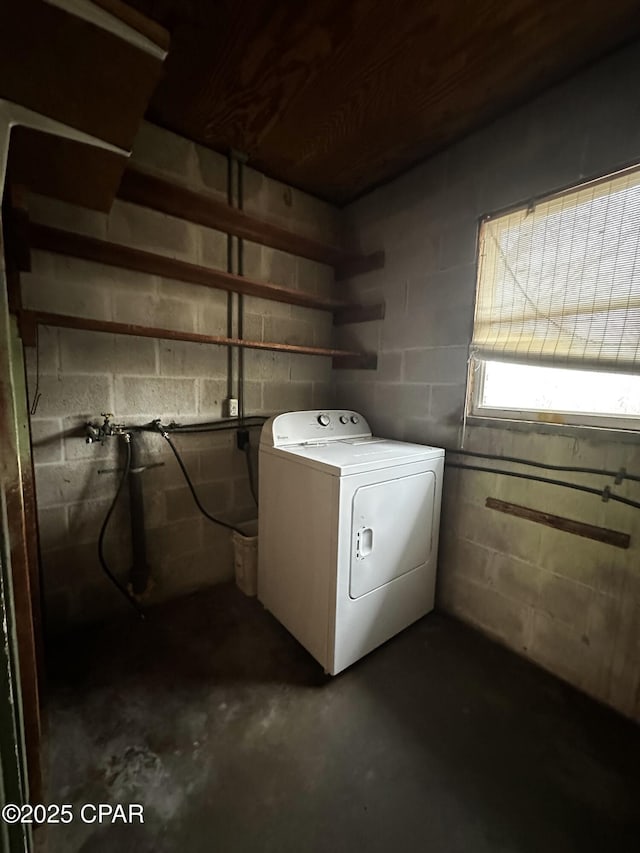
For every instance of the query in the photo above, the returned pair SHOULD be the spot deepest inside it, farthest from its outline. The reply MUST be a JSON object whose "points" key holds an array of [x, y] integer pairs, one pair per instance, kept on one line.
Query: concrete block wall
{"points": [[569, 604], [81, 374]]}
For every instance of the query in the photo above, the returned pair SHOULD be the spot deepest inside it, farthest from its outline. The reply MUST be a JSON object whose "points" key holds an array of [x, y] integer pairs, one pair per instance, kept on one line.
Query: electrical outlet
{"points": [[232, 407]]}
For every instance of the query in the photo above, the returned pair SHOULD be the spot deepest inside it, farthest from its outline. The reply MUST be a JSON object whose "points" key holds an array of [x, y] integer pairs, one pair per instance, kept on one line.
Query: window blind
{"points": [[559, 281]]}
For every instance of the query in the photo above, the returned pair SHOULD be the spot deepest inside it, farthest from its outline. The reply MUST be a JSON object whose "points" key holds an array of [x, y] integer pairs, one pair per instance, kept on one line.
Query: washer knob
{"points": [[344, 419], [324, 420], [354, 419]]}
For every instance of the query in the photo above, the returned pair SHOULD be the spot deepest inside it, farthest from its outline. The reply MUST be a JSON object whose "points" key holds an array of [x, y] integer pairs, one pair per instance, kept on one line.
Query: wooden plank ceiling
{"points": [[336, 96]]}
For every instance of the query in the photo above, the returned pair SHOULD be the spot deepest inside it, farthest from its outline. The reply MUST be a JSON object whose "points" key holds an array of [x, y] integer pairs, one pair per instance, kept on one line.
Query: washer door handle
{"points": [[364, 544]]}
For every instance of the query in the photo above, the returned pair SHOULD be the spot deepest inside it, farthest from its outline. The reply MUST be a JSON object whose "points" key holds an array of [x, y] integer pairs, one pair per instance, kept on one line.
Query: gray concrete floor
{"points": [[216, 720]]}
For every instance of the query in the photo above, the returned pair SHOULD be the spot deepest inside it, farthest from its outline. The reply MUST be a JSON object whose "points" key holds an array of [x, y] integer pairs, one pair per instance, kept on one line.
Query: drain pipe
{"points": [[240, 161]]}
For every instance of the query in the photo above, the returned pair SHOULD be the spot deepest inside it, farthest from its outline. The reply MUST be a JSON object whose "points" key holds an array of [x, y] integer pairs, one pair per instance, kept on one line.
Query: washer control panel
{"points": [[316, 426]]}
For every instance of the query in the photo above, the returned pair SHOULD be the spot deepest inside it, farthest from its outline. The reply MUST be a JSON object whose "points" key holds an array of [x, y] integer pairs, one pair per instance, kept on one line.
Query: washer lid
{"points": [[354, 456]]}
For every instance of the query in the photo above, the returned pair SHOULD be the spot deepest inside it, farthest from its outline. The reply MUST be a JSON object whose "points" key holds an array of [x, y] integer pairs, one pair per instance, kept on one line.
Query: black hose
{"points": [[623, 475], [188, 430], [250, 472], [103, 561], [207, 426], [193, 491], [606, 494]]}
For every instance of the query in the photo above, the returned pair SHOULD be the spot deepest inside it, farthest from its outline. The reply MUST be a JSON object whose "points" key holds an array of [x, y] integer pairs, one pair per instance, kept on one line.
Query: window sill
{"points": [[591, 433]]}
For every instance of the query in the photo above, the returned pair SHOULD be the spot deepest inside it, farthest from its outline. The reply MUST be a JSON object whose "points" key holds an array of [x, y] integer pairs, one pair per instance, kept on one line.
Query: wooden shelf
{"points": [[113, 254], [29, 320], [174, 199]]}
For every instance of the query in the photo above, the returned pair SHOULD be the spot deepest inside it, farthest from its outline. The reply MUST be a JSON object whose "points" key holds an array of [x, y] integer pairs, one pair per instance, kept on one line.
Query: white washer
{"points": [[348, 532]]}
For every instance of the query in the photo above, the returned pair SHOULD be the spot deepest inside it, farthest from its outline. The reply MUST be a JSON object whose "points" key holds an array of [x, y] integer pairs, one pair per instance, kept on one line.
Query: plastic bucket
{"points": [[245, 557]]}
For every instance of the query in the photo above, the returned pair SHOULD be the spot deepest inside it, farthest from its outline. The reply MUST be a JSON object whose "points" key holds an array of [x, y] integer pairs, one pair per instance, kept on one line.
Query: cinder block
{"points": [[213, 248], [447, 403], [502, 618], [65, 297], [266, 307], [96, 352], [217, 551], [212, 394], [565, 599], [91, 277], [152, 231], [50, 211], [427, 431], [413, 252], [252, 327], [71, 569], [87, 518], [280, 268], [69, 482], [507, 534], [625, 666], [46, 437], [192, 572], [252, 260], [44, 357], [408, 400], [68, 393], [254, 190], [559, 648], [288, 398], [458, 243], [515, 579], [212, 320], [266, 366], [603, 624], [181, 358], [323, 330], [285, 330], [242, 496], [296, 210], [464, 558], [390, 366], [323, 395], [213, 170], [135, 395], [169, 475], [220, 463], [173, 540], [490, 440], [52, 527], [156, 311], [253, 398], [314, 277], [436, 364], [386, 426], [160, 150], [215, 498], [590, 563], [360, 398], [477, 486], [310, 368], [604, 151]]}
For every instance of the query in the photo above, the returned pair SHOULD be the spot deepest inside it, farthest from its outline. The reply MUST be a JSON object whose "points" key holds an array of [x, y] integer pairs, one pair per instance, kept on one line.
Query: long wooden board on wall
{"points": [[568, 525]]}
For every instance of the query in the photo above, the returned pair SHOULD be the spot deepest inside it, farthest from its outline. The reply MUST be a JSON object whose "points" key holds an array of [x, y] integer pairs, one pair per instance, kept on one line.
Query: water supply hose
{"points": [[103, 530], [194, 494]]}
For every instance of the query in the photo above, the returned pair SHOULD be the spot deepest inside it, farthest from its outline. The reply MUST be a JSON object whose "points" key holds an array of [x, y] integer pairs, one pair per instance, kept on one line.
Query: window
{"points": [[557, 322]]}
